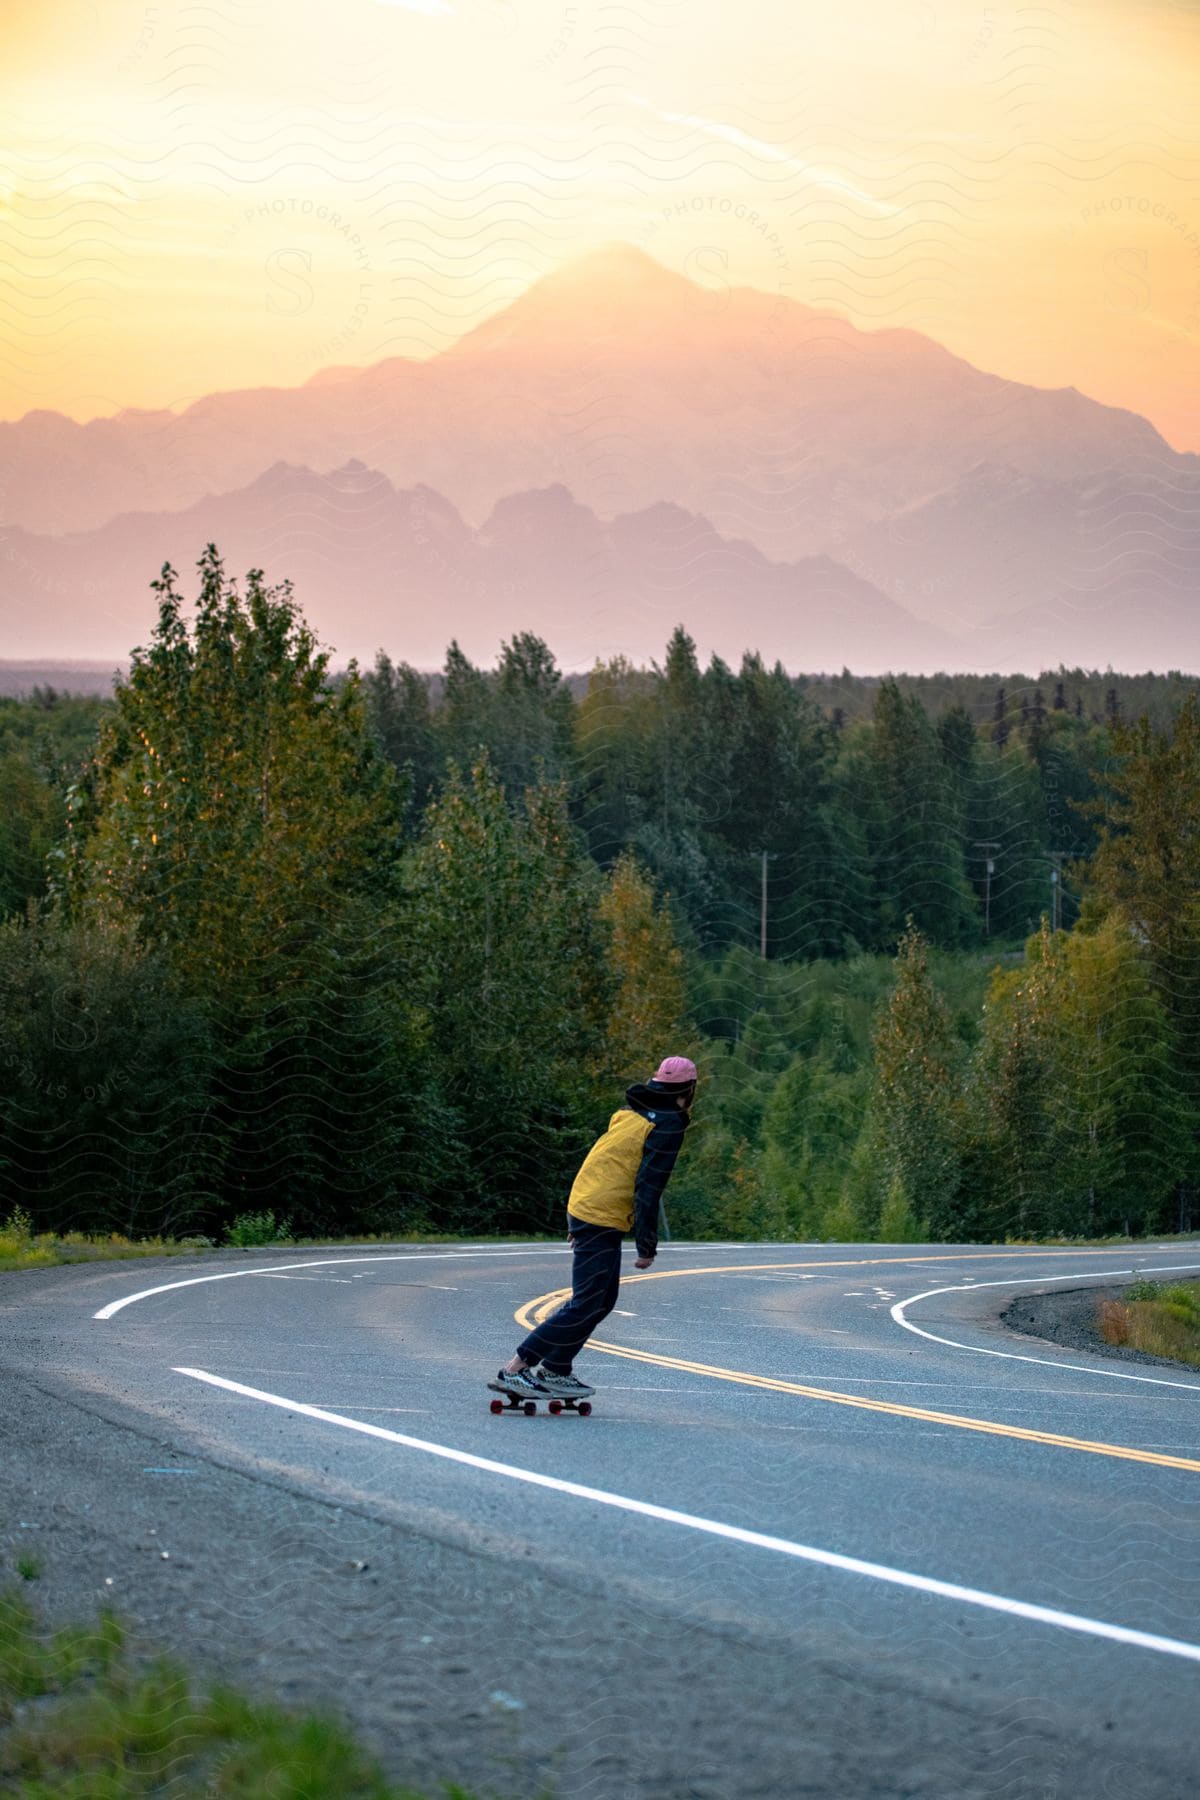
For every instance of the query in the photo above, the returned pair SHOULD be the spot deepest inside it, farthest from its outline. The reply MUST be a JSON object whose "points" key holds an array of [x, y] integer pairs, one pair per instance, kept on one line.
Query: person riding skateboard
{"points": [[617, 1189]]}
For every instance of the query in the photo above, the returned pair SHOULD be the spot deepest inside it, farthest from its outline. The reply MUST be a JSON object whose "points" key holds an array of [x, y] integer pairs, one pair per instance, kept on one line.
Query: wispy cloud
{"points": [[732, 134]]}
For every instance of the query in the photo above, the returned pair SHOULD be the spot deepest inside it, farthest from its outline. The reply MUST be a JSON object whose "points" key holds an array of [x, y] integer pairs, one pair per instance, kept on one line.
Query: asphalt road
{"points": [[831, 1530]]}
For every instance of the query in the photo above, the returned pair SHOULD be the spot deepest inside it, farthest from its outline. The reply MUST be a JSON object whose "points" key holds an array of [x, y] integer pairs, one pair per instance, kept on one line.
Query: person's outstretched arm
{"points": [[658, 1159]]}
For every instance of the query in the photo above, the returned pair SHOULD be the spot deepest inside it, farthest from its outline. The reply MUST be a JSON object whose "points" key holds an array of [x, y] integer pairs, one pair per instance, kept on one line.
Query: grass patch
{"points": [[47, 1249], [23, 1248], [82, 1718], [1160, 1320], [254, 1228], [1061, 1240]]}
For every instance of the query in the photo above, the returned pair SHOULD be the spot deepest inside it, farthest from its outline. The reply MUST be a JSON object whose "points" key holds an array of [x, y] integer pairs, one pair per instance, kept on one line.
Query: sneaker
{"points": [[524, 1384], [564, 1387]]}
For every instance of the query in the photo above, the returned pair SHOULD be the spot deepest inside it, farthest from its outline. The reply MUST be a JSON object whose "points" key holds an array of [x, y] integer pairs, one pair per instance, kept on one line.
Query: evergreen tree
{"points": [[916, 1098], [401, 717], [465, 717], [1086, 1127], [239, 818], [509, 966], [232, 797], [914, 825], [31, 824], [683, 790], [897, 1222], [773, 751], [1118, 1109], [105, 1081], [1146, 867], [811, 1125], [960, 748], [682, 685], [1014, 1152], [646, 1017], [610, 756], [532, 716], [1006, 825]]}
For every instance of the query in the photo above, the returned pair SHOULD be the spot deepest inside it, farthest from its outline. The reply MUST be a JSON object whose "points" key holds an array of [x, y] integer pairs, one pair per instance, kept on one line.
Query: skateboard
{"points": [[511, 1403]]}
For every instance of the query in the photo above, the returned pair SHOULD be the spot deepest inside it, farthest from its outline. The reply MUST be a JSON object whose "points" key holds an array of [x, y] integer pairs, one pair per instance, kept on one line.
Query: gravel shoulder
{"points": [[1067, 1318]]}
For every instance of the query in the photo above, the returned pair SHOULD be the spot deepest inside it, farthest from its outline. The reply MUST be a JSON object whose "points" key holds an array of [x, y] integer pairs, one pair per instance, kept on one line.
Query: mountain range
{"points": [[376, 566], [617, 450]]}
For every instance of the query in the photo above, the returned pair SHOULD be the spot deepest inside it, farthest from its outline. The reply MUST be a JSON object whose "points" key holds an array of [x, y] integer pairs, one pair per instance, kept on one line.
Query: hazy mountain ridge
{"points": [[538, 390], [996, 543], [961, 496], [376, 566]]}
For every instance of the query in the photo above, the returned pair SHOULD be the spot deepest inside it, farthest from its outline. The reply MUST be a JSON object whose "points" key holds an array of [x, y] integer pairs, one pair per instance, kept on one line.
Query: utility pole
{"points": [[767, 856], [989, 869], [762, 936], [1056, 857]]}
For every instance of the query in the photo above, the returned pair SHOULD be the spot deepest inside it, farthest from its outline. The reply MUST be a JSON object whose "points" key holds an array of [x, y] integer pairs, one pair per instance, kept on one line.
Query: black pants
{"points": [[595, 1282]]}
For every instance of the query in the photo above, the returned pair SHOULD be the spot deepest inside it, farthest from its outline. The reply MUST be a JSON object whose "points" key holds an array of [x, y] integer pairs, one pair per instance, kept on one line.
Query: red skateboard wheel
{"points": [[555, 1406], [497, 1406], [529, 1408], [585, 1408]]}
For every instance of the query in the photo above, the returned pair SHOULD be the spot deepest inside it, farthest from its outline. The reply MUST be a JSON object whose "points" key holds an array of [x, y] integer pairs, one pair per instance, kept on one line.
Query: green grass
{"points": [[83, 1718], [23, 1248], [26, 1249], [1161, 1320], [47, 1249], [255, 1228], [1062, 1240]]}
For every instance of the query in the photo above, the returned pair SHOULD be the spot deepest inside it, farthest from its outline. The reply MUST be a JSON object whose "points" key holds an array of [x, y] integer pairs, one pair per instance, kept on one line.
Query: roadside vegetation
{"points": [[1159, 1319], [84, 1717], [44, 1250], [23, 1248], [289, 956]]}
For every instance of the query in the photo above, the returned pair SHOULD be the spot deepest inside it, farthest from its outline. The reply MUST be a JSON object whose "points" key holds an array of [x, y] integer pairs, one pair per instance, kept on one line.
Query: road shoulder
{"points": [[1066, 1318]]}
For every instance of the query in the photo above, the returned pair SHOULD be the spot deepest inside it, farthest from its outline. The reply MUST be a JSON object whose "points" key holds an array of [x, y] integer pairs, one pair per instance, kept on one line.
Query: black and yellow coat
{"points": [[625, 1171]]}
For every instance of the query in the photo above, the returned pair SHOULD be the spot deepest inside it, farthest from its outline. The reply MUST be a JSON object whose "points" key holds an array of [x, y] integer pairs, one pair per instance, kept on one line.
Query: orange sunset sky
{"points": [[239, 192]]}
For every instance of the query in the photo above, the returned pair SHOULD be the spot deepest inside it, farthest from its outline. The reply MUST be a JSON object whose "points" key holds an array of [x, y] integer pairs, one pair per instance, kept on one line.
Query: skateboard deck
{"points": [[505, 1403]]}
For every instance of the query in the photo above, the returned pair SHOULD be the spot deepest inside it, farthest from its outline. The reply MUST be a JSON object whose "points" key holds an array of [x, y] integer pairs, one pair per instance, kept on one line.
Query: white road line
{"points": [[331, 1262], [167, 1287], [830, 1559], [1046, 1362], [270, 1275], [426, 1412], [443, 1287]]}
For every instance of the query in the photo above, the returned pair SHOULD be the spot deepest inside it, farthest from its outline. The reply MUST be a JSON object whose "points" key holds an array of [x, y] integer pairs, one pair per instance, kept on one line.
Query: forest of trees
{"points": [[378, 951]]}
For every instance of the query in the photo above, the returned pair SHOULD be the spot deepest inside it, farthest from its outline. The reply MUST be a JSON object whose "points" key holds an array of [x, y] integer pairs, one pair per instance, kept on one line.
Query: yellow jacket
{"points": [[626, 1170]]}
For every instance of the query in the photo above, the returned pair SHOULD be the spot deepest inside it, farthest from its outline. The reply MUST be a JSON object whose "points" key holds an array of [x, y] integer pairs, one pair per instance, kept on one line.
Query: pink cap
{"points": [[677, 1071]]}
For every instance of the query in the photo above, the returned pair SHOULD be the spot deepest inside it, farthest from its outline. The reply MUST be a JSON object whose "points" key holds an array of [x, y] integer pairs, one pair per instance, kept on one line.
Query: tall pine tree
{"points": [[240, 819]]}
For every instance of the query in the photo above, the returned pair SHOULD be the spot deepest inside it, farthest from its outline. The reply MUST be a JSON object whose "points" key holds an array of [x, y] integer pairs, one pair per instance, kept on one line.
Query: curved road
{"points": [[831, 1530]]}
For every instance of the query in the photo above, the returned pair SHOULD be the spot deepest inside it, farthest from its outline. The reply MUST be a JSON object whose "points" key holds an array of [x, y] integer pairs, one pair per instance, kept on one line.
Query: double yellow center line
{"points": [[535, 1311]]}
